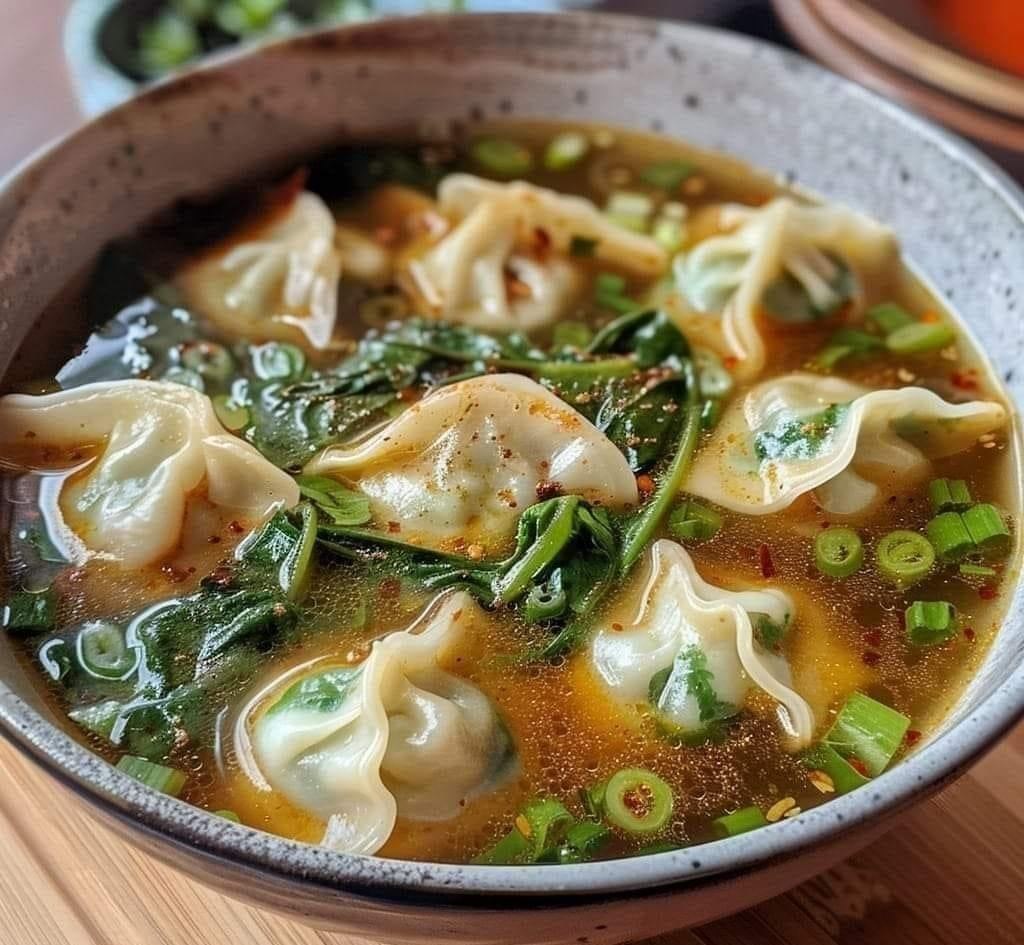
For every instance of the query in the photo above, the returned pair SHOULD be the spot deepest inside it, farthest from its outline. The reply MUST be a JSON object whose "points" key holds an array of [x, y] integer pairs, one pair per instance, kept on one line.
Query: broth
{"points": [[568, 731]]}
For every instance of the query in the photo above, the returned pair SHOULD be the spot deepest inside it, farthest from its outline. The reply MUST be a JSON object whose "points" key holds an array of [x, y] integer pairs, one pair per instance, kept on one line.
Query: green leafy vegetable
{"points": [[29, 612], [342, 505], [800, 437]]}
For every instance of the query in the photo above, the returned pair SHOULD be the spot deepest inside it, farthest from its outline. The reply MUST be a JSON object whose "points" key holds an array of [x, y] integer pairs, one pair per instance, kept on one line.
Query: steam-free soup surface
{"points": [[406, 507]]}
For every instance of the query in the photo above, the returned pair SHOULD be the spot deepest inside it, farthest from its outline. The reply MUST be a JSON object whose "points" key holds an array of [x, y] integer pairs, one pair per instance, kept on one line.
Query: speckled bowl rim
{"points": [[169, 821]]}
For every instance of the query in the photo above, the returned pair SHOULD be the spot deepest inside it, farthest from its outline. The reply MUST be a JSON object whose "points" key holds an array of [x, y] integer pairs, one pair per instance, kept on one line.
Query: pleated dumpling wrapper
{"points": [[691, 654], [465, 277], [804, 432], [156, 444], [467, 460], [396, 735], [799, 262], [277, 278]]}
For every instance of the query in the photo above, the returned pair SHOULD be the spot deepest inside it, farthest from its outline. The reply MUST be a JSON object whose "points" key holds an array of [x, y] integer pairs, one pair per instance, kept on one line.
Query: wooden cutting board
{"points": [[950, 873]]}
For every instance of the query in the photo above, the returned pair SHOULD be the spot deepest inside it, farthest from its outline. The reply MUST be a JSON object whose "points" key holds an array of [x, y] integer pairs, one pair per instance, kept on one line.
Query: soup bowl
{"points": [[962, 224]]}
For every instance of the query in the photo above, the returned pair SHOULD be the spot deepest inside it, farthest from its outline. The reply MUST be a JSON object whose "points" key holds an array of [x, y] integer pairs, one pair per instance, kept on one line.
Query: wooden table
{"points": [[950, 872]]}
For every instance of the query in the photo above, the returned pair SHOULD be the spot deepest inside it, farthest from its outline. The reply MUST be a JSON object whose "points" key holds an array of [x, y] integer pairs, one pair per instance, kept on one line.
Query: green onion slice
{"points": [[920, 338], [566, 150], [739, 821], [638, 801], [930, 621], [666, 175], [546, 601], [987, 529], [983, 571], [904, 557], [572, 335], [541, 825], [889, 317], [103, 652], [949, 495], [234, 417], [228, 815], [869, 731], [583, 841], [691, 521], [501, 156], [841, 773], [159, 777], [838, 552], [949, 536]]}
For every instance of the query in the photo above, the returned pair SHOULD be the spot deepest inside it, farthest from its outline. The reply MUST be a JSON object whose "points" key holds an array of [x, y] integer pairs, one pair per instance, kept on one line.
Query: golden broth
{"points": [[848, 635]]}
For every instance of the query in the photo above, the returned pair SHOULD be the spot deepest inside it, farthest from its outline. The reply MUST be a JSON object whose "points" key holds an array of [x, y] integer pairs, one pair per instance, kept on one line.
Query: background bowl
{"points": [[962, 224]]}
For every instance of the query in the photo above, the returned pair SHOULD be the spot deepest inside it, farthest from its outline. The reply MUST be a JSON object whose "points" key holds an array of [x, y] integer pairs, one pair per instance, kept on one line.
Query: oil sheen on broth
{"points": [[674, 567]]}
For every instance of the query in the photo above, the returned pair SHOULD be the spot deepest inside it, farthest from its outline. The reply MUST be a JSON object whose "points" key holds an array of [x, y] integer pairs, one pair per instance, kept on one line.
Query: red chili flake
{"points": [[213, 540], [873, 638], [173, 574], [988, 592], [964, 380], [858, 766], [764, 559], [617, 627], [912, 737], [871, 658], [389, 588], [730, 361], [969, 634], [541, 241], [236, 527], [548, 489], [645, 484], [386, 235]]}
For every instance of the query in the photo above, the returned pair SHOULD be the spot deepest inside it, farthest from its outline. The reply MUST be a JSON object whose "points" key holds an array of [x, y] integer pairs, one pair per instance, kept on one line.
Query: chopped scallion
{"points": [[868, 731], [671, 234], [740, 821], [949, 495], [610, 293], [638, 801], [234, 417], [838, 552], [889, 317], [691, 521], [159, 777], [583, 841], [841, 773], [830, 356], [228, 815], [566, 150], [920, 338], [102, 650], [987, 529], [930, 621], [502, 157], [904, 557], [540, 826], [629, 209], [949, 536], [666, 175], [982, 571]]}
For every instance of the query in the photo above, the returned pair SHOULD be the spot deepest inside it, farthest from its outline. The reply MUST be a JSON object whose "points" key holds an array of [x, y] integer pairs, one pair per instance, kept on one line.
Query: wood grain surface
{"points": [[951, 872]]}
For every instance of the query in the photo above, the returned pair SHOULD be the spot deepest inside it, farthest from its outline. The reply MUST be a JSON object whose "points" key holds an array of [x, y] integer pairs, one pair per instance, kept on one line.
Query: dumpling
{"points": [[804, 432], [691, 651], [157, 444], [466, 461], [397, 735], [493, 270], [798, 260], [278, 278]]}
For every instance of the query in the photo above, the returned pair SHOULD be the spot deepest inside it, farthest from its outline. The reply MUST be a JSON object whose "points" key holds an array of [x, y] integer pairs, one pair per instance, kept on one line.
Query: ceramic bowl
{"points": [[962, 224]]}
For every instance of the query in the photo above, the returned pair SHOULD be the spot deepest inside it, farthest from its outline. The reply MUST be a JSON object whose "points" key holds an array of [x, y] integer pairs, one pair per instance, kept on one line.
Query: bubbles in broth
{"points": [[557, 494]]}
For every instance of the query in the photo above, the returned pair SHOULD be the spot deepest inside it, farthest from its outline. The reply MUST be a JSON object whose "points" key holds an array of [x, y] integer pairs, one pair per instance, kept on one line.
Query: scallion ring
{"points": [[102, 650], [904, 557], [638, 801], [838, 552]]}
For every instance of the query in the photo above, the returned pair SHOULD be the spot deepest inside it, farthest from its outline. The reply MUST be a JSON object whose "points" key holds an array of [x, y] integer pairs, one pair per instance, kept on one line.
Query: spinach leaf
{"points": [[191, 648], [642, 419], [649, 335], [344, 506]]}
